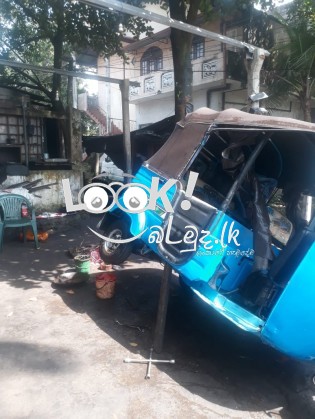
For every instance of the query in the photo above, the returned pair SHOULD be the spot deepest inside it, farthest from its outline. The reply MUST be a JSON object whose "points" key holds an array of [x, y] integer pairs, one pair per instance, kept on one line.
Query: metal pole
{"points": [[124, 87], [162, 309], [155, 17], [97, 164], [243, 173], [15, 64], [25, 136]]}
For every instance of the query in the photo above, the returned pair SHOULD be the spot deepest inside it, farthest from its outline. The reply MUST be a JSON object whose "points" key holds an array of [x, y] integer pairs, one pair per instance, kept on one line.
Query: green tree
{"points": [[46, 32], [293, 61], [302, 12]]}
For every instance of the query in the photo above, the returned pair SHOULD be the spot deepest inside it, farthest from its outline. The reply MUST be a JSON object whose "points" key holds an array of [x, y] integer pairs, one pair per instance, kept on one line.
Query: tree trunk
{"points": [[58, 106], [307, 110], [181, 47], [57, 42], [58, 52], [56, 99], [307, 106]]}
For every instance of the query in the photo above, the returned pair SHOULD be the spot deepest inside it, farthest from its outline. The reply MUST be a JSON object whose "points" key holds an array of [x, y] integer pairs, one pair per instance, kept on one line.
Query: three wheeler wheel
{"points": [[116, 253]]}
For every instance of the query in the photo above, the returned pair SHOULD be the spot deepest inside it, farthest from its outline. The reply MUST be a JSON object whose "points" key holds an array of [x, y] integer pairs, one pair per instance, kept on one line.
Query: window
{"points": [[12, 134], [152, 60], [197, 48]]}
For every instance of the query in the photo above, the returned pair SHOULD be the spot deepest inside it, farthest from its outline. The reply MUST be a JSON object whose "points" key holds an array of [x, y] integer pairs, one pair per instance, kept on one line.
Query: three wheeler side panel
{"points": [[290, 326]]}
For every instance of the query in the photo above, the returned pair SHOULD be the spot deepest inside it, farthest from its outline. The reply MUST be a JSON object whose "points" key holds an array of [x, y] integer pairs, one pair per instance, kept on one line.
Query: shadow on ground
{"points": [[18, 356], [214, 359]]}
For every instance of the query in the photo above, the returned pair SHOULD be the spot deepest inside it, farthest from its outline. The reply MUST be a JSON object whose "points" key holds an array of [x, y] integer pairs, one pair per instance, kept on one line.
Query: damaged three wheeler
{"points": [[233, 215]]}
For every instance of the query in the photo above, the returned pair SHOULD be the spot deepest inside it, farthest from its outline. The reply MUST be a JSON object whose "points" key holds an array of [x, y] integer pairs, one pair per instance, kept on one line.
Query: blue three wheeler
{"points": [[234, 217]]}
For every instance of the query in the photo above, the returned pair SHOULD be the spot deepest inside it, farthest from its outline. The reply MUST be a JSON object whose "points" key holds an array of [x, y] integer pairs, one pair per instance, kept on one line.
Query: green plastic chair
{"points": [[11, 216]]}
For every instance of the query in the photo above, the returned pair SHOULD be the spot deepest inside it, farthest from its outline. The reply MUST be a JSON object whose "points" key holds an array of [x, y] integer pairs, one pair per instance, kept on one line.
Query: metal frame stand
{"points": [[160, 325], [149, 362], [162, 309]]}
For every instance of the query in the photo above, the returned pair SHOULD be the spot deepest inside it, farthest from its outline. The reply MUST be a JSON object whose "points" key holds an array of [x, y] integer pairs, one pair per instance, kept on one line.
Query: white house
{"points": [[219, 76]]}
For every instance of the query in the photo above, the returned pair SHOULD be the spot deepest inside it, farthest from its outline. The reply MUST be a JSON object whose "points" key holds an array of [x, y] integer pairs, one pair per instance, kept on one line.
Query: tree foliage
{"points": [[302, 13], [47, 32], [293, 61]]}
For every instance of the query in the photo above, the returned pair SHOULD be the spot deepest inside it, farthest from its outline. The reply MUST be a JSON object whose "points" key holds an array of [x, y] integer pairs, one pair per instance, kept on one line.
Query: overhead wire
{"points": [[163, 70]]}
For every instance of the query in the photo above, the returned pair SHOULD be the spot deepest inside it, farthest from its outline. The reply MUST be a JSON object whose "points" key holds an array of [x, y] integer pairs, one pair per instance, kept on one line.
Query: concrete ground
{"points": [[62, 350]]}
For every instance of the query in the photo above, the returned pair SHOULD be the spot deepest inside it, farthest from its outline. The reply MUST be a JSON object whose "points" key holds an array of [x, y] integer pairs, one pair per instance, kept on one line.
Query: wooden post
{"points": [[25, 136], [124, 87], [162, 309], [68, 141]]}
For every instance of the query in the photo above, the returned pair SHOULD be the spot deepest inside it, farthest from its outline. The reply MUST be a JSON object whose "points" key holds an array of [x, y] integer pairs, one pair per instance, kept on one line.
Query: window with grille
{"points": [[12, 134], [197, 48], [152, 60]]}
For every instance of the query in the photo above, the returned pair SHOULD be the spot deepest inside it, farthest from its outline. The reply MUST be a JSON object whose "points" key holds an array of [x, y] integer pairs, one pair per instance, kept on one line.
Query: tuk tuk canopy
{"points": [[291, 153]]}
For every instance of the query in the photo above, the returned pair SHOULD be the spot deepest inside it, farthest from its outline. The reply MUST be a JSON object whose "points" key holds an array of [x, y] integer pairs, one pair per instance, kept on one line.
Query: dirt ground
{"points": [[62, 349]]}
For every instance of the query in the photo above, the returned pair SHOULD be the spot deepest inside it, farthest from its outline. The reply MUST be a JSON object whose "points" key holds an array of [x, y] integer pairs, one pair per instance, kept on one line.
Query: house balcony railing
{"points": [[206, 71], [152, 84]]}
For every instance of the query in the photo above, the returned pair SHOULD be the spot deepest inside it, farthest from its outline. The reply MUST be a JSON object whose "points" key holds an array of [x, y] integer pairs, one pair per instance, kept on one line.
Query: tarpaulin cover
{"points": [[145, 141]]}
